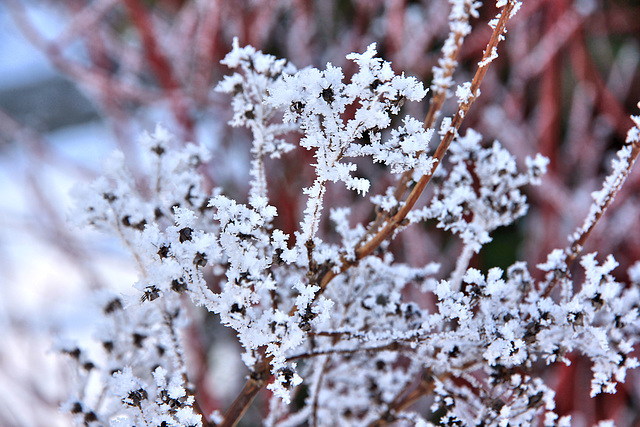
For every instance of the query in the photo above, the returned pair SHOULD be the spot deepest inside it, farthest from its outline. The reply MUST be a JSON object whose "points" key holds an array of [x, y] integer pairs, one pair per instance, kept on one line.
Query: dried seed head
{"points": [[185, 234], [150, 293]]}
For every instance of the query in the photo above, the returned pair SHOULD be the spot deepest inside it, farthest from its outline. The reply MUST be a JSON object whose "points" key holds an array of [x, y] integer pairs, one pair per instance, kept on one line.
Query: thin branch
{"points": [[398, 220], [254, 384], [612, 184], [391, 346], [314, 412]]}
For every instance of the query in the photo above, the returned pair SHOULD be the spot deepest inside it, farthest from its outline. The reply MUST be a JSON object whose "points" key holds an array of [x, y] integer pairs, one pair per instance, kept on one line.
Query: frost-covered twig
{"points": [[459, 27], [471, 92], [621, 167], [256, 382]]}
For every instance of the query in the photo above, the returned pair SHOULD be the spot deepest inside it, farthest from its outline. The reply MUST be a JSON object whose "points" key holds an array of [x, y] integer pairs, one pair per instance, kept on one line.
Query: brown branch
{"points": [[314, 412], [257, 379], [407, 396], [391, 346], [578, 244]]}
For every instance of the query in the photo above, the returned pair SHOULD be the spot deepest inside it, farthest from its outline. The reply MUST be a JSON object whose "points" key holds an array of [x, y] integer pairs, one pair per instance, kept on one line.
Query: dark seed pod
{"points": [[185, 234], [597, 301], [112, 306], [178, 285], [535, 400], [158, 150], [138, 339], [150, 293], [454, 352], [328, 95], [374, 85], [140, 226], [237, 308], [163, 252], [288, 374], [136, 397], [75, 353], [76, 408], [200, 260], [297, 107]]}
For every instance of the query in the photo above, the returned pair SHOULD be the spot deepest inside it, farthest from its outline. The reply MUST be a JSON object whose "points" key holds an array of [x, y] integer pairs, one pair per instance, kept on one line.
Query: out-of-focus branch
{"points": [[84, 75], [161, 67]]}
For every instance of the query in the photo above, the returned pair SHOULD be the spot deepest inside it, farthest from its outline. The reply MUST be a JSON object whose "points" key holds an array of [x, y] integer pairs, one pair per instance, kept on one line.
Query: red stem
{"points": [[160, 65]]}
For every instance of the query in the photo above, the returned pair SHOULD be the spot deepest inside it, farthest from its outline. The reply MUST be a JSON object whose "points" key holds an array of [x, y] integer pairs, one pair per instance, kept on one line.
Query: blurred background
{"points": [[80, 78]]}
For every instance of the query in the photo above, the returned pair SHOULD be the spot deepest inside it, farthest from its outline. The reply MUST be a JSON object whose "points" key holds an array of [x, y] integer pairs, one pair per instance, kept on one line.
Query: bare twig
{"points": [[257, 379]]}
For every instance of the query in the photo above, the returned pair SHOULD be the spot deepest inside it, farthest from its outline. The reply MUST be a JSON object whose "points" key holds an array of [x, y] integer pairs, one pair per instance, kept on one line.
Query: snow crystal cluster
{"points": [[337, 332]]}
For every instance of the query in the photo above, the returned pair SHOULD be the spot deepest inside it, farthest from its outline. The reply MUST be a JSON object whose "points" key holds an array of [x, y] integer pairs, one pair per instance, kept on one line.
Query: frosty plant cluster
{"points": [[330, 325]]}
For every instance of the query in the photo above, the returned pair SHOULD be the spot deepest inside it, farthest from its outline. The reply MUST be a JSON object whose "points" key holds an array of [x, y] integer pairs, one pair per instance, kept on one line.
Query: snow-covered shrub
{"points": [[339, 331]]}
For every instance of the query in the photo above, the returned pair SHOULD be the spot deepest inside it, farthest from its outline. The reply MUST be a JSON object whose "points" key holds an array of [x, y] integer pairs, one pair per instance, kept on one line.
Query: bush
{"points": [[386, 311]]}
